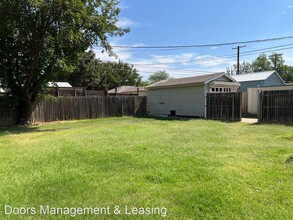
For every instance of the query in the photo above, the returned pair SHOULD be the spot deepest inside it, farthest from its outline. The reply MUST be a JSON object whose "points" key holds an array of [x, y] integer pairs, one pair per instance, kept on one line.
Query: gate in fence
{"points": [[276, 107], [224, 106]]}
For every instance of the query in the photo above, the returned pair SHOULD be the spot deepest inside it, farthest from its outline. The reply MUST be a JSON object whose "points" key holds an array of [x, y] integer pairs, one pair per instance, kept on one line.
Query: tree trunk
{"points": [[25, 108]]}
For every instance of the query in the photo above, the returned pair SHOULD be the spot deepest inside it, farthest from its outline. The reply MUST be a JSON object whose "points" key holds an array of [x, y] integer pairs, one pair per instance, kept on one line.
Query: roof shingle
{"points": [[187, 80]]}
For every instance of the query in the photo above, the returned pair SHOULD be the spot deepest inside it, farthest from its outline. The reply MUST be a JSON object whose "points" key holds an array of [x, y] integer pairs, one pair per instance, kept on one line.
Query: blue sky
{"points": [[189, 22]]}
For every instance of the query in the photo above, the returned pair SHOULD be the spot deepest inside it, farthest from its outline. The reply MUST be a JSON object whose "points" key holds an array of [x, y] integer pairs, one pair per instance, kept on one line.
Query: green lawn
{"points": [[196, 169]]}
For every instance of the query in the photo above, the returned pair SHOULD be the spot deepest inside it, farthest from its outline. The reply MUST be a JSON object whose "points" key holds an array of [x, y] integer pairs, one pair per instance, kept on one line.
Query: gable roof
{"points": [[126, 89], [260, 76], [59, 84], [201, 79]]}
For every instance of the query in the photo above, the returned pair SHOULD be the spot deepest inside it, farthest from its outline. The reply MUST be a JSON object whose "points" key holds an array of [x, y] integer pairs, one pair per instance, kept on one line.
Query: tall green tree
{"points": [[262, 63], [93, 73], [39, 38], [277, 62], [158, 76], [265, 63], [244, 68], [115, 74], [87, 73], [287, 73]]}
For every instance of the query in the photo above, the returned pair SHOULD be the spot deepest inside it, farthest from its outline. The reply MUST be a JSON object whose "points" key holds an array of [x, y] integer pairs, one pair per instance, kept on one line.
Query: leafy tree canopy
{"points": [[93, 73], [40, 38], [158, 76], [87, 73], [114, 74], [245, 67], [265, 63]]}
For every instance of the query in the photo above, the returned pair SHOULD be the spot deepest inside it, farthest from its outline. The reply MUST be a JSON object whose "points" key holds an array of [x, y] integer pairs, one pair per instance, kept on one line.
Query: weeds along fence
{"points": [[276, 107], [75, 108], [224, 106]]}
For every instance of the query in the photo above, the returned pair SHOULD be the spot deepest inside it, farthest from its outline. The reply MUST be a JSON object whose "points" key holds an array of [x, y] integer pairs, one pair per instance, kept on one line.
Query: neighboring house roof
{"points": [[201, 79], [59, 84], [126, 90], [255, 76]]}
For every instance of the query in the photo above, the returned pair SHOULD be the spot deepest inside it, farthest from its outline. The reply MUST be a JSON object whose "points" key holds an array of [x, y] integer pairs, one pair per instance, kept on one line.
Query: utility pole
{"points": [[238, 57]]}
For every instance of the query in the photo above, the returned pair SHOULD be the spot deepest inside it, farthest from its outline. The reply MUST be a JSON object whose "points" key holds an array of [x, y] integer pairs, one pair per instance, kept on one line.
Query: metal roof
{"points": [[59, 84], [188, 80], [253, 76]]}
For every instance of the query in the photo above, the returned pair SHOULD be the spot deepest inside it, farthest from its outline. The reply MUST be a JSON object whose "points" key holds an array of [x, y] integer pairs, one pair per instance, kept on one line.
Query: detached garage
{"points": [[186, 96]]}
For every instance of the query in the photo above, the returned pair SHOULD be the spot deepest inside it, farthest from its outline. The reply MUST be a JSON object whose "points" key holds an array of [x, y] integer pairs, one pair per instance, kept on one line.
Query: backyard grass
{"points": [[196, 169]]}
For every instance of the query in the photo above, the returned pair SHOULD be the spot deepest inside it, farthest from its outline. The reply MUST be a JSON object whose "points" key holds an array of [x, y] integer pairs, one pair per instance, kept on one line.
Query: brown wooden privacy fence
{"points": [[244, 102], [224, 106], [74, 108], [276, 107]]}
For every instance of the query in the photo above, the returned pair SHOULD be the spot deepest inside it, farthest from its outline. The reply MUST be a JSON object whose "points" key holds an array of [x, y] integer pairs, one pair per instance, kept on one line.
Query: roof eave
{"points": [[210, 80], [279, 77], [223, 74], [177, 85], [225, 83]]}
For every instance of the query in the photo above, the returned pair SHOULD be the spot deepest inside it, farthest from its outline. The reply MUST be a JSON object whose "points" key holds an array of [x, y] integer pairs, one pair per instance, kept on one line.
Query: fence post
{"points": [[233, 104], [259, 106], [239, 99]]}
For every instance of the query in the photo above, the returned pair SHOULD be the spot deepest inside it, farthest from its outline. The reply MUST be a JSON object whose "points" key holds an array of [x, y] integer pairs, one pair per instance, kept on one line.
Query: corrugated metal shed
{"points": [[256, 80], [253, 76]]}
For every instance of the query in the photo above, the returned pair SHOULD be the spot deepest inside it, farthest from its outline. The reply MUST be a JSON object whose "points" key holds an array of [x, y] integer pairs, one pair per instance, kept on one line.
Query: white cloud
{"points": [[183, 58], [283, 13], [122, 55], [126, 22], [183, 65], [177, 65], [290, 6], [212, 61]]}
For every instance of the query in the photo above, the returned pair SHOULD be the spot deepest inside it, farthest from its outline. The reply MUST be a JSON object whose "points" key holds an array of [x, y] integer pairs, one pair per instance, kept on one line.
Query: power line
{"points": [[216, 58], [183, 70], [198, 71], [223, 57], [268, 51], [204, 45]]}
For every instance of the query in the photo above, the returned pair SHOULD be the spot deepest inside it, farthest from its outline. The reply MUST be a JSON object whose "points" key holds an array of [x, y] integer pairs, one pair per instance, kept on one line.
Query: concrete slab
{"points": [[249, 120]]}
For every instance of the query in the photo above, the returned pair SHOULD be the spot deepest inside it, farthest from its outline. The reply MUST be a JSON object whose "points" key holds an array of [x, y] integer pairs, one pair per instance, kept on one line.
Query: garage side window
{"points": [[220, 89]]}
